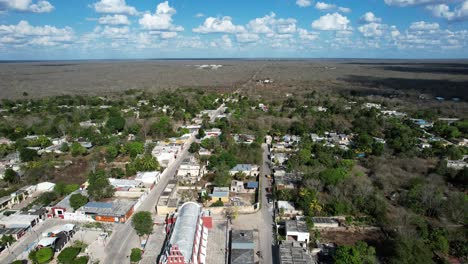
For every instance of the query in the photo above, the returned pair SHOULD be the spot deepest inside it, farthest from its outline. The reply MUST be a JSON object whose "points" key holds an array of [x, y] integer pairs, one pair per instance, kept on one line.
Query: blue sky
{"points": [[120, 29]]}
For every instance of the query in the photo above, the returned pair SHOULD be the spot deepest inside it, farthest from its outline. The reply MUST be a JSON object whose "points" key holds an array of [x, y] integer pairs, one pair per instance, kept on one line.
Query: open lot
{"points": [[385, 77]]}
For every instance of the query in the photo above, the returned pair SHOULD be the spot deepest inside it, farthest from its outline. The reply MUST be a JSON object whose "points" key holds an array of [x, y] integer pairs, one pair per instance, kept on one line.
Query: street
{"points": [[29, 240], [263, 219], [124, 238]]}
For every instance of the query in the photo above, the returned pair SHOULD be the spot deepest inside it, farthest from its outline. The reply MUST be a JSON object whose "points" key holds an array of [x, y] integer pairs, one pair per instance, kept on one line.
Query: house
{"points": [[45, 187], [117, 211], [372, 105], [287, 180], [65, 211], [297, 230], [166, 153], [458, 164], [124, 183], [248, 169], [19, 220], [422, 123], [325, 222], [294, 252], [242, 247], [168, 201], [252, 185], [220, 194], [204, 152], [16, 233], [237, 186], [243, 138], [148, 178], [190, 171], [287, 209]]}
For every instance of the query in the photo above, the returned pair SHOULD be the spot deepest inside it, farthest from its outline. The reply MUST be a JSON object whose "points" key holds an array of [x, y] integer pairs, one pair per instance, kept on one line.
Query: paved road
{"points": [[266, 230], [29, 240], [124, 237]]}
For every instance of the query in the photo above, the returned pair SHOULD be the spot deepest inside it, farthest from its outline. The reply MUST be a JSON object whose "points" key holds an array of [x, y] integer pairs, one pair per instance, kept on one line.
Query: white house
{"points": [[247, 169], [237, 186], [190, 170], [297, 230], [148, 177], [45, 187]]}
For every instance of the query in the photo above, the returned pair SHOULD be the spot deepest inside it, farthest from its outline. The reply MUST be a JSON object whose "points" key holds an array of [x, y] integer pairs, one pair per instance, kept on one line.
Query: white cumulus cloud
{"points": [[459, 13], [372, 30], [219, 25], [423, 26], [25, 34], [114, 7], [303, 3], [369, 17], [307, 35], [333, 21], [324, 6], [161, 20], [402, 3], [247, 37], [40, 6], [114, 20]]}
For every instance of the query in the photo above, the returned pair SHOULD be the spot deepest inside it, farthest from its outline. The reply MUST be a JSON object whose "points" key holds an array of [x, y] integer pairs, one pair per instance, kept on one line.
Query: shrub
{"points": [[44, 255], [135, 256], [68, 255]]}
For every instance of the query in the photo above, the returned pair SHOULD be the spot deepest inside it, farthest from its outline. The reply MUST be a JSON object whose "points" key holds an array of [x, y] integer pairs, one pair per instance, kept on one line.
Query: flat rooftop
{"points": [[293, 253], [115, 208], [296, 226], [323, 220]]}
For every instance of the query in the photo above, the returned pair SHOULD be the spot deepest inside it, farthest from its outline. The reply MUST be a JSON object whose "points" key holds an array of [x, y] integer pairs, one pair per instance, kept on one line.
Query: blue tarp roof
{"points": [[252, 185]]}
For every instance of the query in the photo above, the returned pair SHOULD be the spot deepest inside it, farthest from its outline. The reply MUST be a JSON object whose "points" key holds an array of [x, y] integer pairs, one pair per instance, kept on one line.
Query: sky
{"points": [[134, 29]]}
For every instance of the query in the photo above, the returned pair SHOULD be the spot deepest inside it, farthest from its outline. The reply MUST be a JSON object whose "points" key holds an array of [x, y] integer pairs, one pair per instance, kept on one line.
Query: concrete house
{"points": [[297, 230], [248, 169], [242, 247]]}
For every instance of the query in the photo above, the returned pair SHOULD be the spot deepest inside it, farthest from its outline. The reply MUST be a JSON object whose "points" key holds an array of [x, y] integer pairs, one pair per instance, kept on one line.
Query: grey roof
{"points": [[11, 231], [242, 256], [296, 226], [65, 202], [242, 167], [115, 208], [293, 253], [185, 227], [323, 220], [242, 239]]}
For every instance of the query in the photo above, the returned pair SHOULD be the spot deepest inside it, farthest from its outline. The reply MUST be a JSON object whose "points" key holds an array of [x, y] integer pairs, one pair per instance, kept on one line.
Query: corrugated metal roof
{"points": [[183, 233]]}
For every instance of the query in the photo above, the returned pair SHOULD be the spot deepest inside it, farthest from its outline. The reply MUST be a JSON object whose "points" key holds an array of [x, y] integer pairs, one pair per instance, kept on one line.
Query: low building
{"points": [[148, 178], [117, 211], [237, 186], [287, 209], [19, 220], [204, 152], [294, 253], [325, 222], [214, 132], [242, 247], [124, 183], [248, 169], [188, 237], [168, 201], [243, 138], [297, 230], [65, 211], [45, 187], [190, 170], [16, 233], [220, 194]]}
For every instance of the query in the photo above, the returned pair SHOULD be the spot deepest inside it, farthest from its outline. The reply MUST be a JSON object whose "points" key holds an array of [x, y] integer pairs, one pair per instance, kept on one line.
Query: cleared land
{"points": [[363, 77]]}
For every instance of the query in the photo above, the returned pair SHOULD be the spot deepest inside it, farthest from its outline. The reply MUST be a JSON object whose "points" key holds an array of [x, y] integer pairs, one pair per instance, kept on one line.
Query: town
{"points": [[195, 177]]}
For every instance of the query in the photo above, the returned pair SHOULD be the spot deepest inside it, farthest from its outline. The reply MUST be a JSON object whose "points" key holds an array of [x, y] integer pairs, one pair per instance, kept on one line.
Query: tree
{"points": [[201, 133], [162, 128], [111, 153], [135, 148], [146, 163], [135, 255], [77, 149], [194, 147], [411, 251], [142, 222], [99, 186], [7, 240], [27, 154], [68, 255], [115, 123], [360, 253], [77, 200], [43, 255], [10, 176]]}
